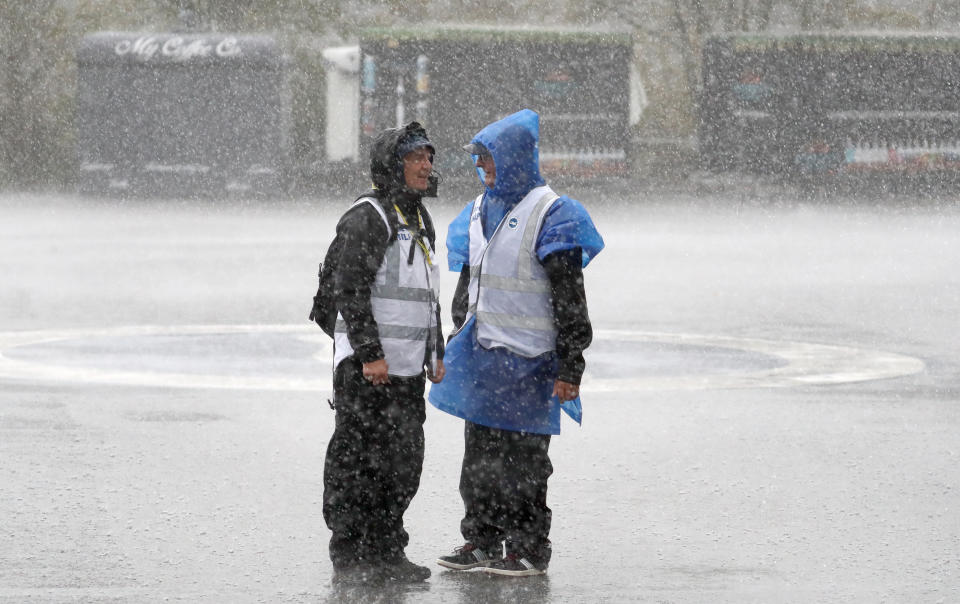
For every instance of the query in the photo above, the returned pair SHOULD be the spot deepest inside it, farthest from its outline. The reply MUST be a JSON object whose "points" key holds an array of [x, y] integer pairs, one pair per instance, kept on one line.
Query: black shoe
{"points": [[361, 573], [467, 557], [515, 566], [404, 571]]}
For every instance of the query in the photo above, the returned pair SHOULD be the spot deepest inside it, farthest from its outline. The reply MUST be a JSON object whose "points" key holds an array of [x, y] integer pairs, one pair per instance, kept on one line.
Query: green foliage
{"points": [[268, 15], [122, 15], [35, 75], [307, 89], [879, 18]]}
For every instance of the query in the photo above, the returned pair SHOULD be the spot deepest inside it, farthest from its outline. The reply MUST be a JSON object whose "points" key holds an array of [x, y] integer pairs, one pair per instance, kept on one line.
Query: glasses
{"points": [[415, 157]]}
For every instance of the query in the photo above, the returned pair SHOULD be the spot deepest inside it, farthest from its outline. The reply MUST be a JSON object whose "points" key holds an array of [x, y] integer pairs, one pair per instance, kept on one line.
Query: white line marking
{"points": [[806, 363]]}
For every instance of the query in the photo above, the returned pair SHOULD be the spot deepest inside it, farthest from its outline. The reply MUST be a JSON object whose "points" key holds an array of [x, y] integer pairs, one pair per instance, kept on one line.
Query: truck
{"points": [[181, 114], [839, 103], [455, 79]]}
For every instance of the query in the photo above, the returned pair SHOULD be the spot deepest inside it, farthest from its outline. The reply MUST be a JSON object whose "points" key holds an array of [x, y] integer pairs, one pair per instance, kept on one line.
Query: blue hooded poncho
{"points": [[495, 387]]}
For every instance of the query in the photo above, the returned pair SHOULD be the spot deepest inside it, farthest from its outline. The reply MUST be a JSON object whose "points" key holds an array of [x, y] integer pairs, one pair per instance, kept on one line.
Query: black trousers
{"points": [[373, 465], [503, 483]]}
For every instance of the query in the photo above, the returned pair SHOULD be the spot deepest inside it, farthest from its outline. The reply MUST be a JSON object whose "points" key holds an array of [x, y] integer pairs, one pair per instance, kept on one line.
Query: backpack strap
{"points": [[428, 226], [388, 215]]}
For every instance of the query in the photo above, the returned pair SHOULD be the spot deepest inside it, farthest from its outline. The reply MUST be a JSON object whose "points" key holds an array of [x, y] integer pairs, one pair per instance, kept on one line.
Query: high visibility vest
{"points": [[509, 289], [404, 299]]}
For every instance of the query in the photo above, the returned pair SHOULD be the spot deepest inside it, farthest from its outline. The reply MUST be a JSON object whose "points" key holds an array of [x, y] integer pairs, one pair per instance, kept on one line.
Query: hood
{"points": [[386, 165], [513, 142]]}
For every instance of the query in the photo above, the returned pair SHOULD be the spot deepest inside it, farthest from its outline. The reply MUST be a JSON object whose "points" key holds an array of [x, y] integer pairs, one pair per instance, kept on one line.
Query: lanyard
{"points": [[417, 237]]}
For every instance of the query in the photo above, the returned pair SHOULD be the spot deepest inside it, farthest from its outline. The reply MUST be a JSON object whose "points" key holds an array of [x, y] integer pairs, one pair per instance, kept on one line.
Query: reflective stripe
{"points": [[394, 332], [404, 332], [409, 294], [515, 285], [501, 320]]}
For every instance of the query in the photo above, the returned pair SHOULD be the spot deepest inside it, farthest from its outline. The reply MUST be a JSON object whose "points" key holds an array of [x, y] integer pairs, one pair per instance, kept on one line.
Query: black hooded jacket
{"points": [[363, 239]]}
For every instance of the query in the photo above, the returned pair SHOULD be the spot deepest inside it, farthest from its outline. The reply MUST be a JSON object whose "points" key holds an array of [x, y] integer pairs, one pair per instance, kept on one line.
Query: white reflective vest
{"points": [[404, 302], [509, 289]]}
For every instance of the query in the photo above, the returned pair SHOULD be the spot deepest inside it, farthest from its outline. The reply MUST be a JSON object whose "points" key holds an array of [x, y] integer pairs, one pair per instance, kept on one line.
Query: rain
{"points": [[769, 403]]}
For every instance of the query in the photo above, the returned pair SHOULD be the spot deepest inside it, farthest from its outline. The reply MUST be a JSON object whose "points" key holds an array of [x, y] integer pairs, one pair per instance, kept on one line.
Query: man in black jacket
{"points": [[387, 332]]}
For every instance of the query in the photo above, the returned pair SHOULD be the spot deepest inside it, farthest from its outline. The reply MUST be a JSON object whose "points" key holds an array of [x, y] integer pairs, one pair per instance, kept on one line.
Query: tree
{"points": [[258, 15], [34, 79]]}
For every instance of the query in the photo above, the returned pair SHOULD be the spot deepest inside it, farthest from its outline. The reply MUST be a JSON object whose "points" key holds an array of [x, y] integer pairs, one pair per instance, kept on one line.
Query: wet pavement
{"points": [[770, 409]]}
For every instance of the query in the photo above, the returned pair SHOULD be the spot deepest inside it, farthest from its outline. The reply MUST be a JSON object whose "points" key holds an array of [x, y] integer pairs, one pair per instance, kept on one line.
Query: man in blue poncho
{"points": [[516, 358]]}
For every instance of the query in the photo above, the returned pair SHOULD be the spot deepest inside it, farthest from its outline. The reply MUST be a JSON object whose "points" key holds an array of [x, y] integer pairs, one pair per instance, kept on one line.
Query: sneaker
{"points": [[515, 566], [404, 571], [467, 557]]}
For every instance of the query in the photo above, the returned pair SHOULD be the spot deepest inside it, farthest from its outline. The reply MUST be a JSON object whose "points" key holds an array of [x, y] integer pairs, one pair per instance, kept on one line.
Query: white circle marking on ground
{"points": [[805, 363]]}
